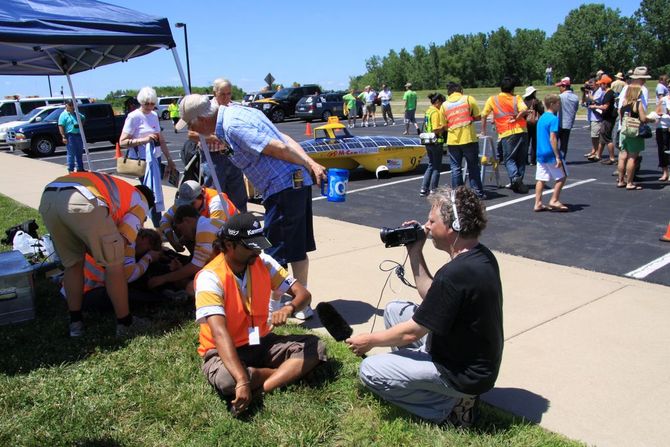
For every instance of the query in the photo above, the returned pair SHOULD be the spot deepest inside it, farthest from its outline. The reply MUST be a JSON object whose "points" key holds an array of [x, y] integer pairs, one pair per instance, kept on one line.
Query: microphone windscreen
{"points": [[334, 323]]}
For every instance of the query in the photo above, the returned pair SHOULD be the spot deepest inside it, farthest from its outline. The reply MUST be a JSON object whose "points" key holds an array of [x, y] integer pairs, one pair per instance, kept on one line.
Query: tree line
{"points": [[591, 37]]}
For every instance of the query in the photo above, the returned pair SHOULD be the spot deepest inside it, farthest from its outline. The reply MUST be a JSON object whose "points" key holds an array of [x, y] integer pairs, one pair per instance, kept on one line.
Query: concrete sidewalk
{"points": [[586, 354]]}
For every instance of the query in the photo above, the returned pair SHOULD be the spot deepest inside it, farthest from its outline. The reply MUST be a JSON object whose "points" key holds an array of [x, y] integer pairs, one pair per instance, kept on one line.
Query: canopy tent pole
{"points": [[203, 143], [81, 125]]}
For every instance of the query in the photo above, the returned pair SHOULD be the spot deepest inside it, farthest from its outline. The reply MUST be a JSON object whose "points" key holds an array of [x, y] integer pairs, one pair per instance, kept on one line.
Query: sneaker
{"points": [[465, 412], [374, 124], [423, 193], [304, 314], [138, 326], [177, 296], [404, 133], [77, 329], [386, 124], [521, 188], [393, 124]]}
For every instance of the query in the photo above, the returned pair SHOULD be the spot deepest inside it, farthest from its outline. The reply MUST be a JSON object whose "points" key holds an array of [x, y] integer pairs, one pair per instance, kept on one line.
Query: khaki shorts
{"points": [[79, 225], [595, 129], [272, 352]]}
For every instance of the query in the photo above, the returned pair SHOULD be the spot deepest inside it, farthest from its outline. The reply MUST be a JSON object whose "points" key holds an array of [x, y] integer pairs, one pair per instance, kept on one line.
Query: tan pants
{"points": [[79, 225]]}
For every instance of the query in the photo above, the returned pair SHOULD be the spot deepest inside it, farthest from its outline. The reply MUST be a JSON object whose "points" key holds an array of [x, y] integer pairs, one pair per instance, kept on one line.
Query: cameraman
{"points": [[447, 350]]}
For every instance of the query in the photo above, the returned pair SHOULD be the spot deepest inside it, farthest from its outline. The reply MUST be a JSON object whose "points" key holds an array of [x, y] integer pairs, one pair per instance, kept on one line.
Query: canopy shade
{"points": [[56, 37]]}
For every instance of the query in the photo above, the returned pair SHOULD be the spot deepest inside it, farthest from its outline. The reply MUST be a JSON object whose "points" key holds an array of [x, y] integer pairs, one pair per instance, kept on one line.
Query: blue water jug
{"points": [[335, 187]]}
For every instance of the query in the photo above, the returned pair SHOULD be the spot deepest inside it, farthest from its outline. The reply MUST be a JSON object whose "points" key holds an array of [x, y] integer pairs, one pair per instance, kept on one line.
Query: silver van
{"points": [[162, 106], [14, 109]]}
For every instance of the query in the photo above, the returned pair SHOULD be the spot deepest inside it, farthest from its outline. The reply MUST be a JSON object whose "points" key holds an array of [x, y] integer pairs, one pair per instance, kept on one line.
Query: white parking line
{"points": [[379, 186], [532, 197], [649, 268], [101, 159]]}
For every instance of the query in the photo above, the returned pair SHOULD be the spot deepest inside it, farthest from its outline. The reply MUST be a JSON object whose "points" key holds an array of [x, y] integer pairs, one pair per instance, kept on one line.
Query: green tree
{"points": [[592, 37], [653, 43], [528, 52], [500, 56]]}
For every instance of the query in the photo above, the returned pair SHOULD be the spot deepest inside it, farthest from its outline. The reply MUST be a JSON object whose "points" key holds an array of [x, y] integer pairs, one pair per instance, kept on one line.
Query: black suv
{"points": [[282, 104], [323, 106]]}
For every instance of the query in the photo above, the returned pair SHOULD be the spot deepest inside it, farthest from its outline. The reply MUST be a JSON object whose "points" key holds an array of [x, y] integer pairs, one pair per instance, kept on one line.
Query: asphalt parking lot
{"points": [[607, 230]]}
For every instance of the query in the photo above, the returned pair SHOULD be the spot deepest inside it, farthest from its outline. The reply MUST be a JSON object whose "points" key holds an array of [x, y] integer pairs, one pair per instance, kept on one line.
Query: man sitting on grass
{"points": [[446, 350], [232, 296]]}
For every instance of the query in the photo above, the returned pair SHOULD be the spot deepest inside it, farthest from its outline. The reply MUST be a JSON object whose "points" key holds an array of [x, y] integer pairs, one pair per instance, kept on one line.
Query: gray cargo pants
{"points": [[408, 377]]}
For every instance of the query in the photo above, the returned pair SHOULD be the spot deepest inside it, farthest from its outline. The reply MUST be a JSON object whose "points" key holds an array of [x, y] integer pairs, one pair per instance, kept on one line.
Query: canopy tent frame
{"points": [[64, 37]]}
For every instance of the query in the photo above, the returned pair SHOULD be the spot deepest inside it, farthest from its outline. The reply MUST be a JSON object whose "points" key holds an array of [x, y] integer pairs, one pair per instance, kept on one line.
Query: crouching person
{"points": [[446, 350], [241, 354]]}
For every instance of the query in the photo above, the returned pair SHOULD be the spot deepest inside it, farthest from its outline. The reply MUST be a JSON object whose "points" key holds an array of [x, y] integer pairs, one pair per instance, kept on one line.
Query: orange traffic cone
{"points": [[308, 130], [666, 236], [118, 151]]}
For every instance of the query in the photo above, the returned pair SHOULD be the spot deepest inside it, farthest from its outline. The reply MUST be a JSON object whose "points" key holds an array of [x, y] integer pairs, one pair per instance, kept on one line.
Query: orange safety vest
{"points": [[116, 193], [505, 110], [229, 207], [458, 113], [238, 317], [94, 274]]}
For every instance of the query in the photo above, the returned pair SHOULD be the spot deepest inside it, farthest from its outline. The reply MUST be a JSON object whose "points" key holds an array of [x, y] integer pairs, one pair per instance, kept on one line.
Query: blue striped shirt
{"points": [[248, 131]]}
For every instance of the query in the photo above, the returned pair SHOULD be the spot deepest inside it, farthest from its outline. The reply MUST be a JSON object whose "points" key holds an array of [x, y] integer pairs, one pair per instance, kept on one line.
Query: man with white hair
{"points": [[277, 166]]}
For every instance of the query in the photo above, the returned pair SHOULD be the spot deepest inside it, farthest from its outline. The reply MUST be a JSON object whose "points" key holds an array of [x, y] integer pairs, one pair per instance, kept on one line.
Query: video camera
{"points": [[394, 237]]}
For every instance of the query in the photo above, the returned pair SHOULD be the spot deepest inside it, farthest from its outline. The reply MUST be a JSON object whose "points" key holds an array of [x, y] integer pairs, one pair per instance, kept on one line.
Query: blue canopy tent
{"points": [[63, 37]]}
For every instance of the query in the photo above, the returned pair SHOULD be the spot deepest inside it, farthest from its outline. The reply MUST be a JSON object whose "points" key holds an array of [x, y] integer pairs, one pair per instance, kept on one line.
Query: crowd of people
{"points": [[446, 350]]}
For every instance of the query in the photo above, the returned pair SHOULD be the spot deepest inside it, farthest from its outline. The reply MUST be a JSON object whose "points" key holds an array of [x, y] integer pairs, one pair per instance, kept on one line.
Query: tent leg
{"points": [[81, 125], [203, 143]]}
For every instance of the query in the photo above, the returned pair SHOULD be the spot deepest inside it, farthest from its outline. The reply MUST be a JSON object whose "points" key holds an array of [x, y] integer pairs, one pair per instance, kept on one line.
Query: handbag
{"points": [[630, 127], [131, 167], [644, 131]]}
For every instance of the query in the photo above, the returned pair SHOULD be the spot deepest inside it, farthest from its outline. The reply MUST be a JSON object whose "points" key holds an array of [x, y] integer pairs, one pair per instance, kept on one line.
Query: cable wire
{"points": [[399, 270]]}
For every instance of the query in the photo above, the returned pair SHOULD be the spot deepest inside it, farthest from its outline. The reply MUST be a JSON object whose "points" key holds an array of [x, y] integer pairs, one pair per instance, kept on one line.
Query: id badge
{"points": [[254, 336], [298, 179]]}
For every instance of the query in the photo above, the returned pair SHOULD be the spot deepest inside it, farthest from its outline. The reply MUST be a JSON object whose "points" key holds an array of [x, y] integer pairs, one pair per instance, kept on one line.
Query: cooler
{"points": [[17, 294]]}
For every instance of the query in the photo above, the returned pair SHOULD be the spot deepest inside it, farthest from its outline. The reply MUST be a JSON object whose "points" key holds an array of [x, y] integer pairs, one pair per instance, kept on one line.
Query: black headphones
{"points": [[455, 222]]}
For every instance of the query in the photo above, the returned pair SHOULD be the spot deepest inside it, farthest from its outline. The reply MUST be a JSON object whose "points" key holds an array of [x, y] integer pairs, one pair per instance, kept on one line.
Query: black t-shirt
{"points": [[463, 311], [610, 113]]}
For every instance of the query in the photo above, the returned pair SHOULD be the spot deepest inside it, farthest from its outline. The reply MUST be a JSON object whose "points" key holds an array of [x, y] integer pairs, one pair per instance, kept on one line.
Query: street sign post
{"points": [[269, 79]]}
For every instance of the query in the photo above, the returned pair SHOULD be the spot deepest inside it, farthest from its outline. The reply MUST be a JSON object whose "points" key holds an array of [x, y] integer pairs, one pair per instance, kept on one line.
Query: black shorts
{"points": [[606, 129], [288, 224]]}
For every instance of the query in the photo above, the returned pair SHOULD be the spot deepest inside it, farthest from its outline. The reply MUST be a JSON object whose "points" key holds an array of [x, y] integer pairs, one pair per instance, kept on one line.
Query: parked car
{"points": [[15, 109], [162, 106], [42, 138], [255, 96], [323, 106], [35, 116], [282, 104]]}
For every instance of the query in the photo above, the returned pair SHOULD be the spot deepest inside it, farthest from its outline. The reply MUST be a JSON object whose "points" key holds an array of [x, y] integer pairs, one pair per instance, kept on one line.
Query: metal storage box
{"points": [[17, 293]]}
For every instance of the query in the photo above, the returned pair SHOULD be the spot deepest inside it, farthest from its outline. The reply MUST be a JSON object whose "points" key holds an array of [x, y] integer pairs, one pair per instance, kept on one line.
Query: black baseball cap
{"points": [[246, 229]]}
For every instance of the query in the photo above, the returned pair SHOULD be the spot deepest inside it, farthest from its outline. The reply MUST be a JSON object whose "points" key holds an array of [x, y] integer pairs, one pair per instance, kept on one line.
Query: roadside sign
{"points": [[269, 79]]}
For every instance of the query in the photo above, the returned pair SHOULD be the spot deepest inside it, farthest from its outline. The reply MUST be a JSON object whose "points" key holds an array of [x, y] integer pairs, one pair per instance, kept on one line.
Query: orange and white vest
{"points": [[505, 110], [458, 113], [229, 207], [116, 193], [240, 313]]}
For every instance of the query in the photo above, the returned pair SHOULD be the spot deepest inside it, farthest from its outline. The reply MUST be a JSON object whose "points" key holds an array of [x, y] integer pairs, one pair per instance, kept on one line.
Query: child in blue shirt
{"points": [[550, 166]]}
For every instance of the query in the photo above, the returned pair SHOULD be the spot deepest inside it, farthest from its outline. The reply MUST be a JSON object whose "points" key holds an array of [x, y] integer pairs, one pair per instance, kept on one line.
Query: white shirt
{"points": [[140, 125], [645, 97], [664, 122], [385, 97]]}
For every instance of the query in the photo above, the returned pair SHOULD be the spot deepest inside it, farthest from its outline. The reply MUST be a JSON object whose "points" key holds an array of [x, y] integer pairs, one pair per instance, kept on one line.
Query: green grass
{"points": [[149, 391]]}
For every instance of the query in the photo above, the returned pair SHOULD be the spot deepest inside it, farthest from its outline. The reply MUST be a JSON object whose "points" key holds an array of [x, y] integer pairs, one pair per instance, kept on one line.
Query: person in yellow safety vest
{"points": [[433, 123], [242, 357], [509, 112], [205, 200], [195, 229], [173, 110], [460, 111], [90, 212]]}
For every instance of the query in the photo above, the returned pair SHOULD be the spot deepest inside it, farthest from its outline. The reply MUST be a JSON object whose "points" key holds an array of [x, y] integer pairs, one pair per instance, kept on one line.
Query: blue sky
{"points": [[300, 41]]}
